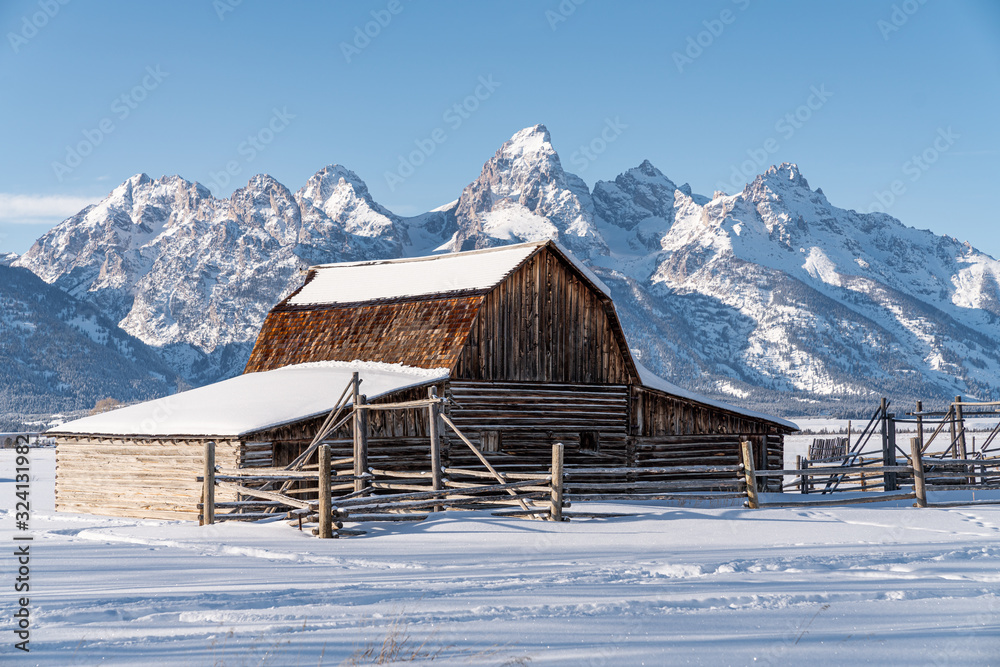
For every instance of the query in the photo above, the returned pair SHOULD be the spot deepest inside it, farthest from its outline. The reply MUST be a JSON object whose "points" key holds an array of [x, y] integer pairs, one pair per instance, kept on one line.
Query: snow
{"points": [[445, 207], [517, 222], [654, 381], [475, 270], [667, 585], [818, 265], [527, 142], [353, 282], [254, 401]]}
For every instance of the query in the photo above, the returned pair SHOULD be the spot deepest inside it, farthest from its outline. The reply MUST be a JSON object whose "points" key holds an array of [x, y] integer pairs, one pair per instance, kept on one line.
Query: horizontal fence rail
{"points": [[314, 487]]}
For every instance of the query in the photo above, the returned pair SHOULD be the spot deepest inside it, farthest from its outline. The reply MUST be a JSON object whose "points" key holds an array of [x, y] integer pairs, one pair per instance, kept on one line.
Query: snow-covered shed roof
{"points": [[253, 402], [471, 271]]}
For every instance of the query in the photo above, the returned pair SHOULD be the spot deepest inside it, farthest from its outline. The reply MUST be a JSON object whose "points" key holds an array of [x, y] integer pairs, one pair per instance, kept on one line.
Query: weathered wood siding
{"points": [[426, 333], [591, 420], [545, 323], [147, 478], [655, 413], [670, 430]]}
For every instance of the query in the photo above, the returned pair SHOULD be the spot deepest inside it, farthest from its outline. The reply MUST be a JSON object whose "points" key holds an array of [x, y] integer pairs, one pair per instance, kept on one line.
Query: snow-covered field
{"points": [[665, 586]]}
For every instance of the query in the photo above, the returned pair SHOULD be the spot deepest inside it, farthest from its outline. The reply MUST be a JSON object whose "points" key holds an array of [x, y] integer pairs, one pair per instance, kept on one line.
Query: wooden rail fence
{"points": [[332, 492], [969, 474]]}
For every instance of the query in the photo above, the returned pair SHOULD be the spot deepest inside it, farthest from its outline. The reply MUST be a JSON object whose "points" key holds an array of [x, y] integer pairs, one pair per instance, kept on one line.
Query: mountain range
{"points": [[771, 298]]}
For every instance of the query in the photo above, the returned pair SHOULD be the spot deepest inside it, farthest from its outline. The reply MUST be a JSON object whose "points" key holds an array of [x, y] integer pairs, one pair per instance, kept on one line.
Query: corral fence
{"points": [[29, 438], [316, 488], [873, 467], [865, 467], [331, 492]]}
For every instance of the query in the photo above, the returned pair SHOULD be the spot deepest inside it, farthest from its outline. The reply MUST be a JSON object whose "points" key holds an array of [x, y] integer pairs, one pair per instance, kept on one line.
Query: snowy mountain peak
{"points": [[322, 185], [530, 140], [334, 189], [339, 215], [523, 194], [263, 182], [782, 175], [646, 169], [640, 194], [136, 181]]}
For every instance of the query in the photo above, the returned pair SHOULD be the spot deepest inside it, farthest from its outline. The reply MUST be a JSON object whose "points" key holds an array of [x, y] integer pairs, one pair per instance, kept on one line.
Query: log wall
{"points": [[529, 417], [671, 430], [145, 478], [591, 420]]}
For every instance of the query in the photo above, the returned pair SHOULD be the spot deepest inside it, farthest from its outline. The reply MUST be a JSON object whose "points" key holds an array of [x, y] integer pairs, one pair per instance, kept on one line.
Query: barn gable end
{"points": [[546, 322]]}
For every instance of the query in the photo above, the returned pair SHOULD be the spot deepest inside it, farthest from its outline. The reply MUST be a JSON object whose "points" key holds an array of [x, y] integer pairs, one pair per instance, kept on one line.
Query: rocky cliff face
{"points": [[772, 296]]}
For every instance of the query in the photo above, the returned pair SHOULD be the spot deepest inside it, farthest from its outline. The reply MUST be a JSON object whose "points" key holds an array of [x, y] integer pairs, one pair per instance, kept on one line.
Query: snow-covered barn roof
{"points": [[471, 271], [253, 402]]}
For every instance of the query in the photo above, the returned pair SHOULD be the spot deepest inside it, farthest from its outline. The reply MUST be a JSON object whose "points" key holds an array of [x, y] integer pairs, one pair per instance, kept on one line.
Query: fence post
{"points": [[208, 486], [556, 506], [749, 473], [325, 494], [798, 466], [805, 478], [920, 424], [963, 452], [917, 459], [889, 451], [434, 431], [360, 442]]}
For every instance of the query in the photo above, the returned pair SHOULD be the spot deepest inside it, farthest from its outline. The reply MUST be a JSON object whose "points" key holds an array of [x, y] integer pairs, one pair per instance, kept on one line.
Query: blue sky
{"points": [[885, 103]]}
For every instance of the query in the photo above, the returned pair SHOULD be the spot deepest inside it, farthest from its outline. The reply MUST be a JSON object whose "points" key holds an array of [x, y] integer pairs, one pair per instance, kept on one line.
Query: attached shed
{"points": [[523, 340]]}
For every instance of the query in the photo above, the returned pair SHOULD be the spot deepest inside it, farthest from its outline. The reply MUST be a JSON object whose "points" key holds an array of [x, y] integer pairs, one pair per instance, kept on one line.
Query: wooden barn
{"points": [[523, 341]]}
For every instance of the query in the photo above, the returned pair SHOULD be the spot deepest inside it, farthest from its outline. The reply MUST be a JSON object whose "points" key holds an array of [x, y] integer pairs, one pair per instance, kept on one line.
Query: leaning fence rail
{"points": [[919, 473]]}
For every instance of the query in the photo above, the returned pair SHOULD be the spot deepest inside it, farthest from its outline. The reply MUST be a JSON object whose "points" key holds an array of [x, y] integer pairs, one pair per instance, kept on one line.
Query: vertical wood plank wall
{"points": [[543, 323]]}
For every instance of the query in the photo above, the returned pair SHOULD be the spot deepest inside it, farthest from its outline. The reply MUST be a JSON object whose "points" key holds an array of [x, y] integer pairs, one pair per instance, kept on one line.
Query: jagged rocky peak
{"points": [[335, 202], [784, 178], [147, 202], [639, 194], [528, 142], [325, 183], [527, 156], [523, 194], [265, 203]]}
